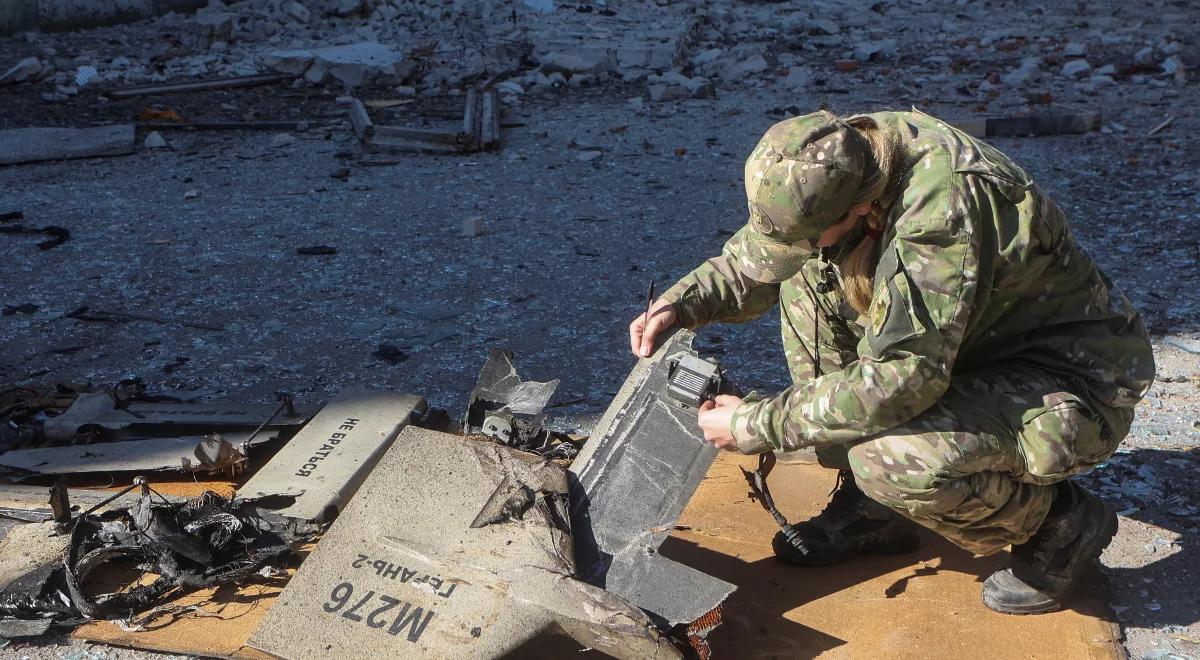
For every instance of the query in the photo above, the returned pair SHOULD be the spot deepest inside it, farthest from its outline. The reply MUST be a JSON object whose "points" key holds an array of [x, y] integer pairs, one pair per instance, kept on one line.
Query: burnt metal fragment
{"points": [[189, 545], [509, 410], [98, 410]]}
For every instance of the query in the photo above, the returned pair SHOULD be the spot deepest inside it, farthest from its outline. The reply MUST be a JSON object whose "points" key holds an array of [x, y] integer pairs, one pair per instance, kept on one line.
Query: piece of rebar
{"points": [[285, 403], [137, 481], [200, 85]]}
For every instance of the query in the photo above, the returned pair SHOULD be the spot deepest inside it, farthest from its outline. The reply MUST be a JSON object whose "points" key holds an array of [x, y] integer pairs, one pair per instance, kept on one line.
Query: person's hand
{"points": [[715, 418], [642, 334]]}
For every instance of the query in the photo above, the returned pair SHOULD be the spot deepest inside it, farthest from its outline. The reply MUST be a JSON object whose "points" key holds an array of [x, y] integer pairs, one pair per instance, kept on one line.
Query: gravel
{"points": [[590, 198]]}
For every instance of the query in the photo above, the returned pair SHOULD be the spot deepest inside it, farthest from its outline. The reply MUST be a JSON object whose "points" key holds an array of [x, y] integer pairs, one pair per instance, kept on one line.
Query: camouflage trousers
{"points": [[977, 467]]}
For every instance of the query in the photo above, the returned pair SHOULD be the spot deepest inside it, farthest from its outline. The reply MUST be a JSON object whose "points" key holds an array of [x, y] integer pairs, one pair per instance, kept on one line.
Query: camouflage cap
{"points": [[800, 180]]}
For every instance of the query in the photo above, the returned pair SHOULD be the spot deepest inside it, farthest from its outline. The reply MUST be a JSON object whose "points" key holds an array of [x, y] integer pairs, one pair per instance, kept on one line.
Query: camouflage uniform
{"points": [[995, 358]]}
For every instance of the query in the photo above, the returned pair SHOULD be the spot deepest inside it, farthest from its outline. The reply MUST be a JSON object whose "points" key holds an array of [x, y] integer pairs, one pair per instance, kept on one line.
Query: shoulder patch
{"points": [[880, 308]]}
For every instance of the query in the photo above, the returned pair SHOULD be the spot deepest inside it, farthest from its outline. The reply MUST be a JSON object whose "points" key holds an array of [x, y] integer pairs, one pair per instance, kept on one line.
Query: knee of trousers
{"points": [[922, 490]]}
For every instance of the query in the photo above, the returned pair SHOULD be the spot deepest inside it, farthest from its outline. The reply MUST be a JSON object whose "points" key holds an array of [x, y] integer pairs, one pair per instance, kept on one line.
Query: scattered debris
{"points": [[1161, 127], [359, 118], [1076, 69], [26, 69], [1047, 124], [489, 127], [383, 104], [85, 74], [209, 453], [351, 65], [86, 313], [160, 114], [390, 353], [323, 465], [23, 308], [635, 475], [31, 145], [32, 499], [473, 562], [58, 235], [267, 125], [472, 226], [101, 411], [200, 543], [316, 250], [480, 129], [154, 141], [198, 85], [433, 310]]}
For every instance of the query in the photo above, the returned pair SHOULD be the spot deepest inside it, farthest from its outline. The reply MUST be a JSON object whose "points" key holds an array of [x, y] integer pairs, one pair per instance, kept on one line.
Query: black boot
{"points": [[850, 524], [1046, 568]]}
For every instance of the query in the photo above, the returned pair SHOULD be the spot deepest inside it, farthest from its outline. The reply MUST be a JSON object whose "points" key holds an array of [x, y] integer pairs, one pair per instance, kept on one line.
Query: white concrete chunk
{"points": [[24, 70], [1076, 69], [30, 145], [292, 62], [154, 140]]}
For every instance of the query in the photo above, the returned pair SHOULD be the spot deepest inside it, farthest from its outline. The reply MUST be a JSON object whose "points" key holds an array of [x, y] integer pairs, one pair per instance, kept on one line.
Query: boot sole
{"points": [[1095, 546]]}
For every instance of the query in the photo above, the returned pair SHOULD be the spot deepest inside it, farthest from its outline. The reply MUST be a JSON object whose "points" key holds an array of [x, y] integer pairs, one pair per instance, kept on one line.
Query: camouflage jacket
{"points": [[977, 268]]}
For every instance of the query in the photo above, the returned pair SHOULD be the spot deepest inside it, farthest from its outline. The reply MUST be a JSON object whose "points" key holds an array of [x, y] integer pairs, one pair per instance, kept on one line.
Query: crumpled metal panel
{"points": [[158, 419], [452, 548], [188, 454], [633, 478]]}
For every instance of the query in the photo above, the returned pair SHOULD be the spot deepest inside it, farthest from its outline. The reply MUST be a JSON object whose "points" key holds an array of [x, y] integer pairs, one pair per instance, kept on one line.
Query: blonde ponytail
{"points": [[858, 267]]}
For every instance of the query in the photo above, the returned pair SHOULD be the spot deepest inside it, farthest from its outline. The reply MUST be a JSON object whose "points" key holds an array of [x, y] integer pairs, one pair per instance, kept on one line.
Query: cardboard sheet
{"points": [[925, 605], [921, 605]]}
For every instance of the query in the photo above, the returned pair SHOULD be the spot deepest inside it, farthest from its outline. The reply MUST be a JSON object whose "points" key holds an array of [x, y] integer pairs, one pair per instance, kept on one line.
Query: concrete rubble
{"points": [[674, 51], [32, 145], [26, 69], [351, 65]]}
